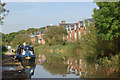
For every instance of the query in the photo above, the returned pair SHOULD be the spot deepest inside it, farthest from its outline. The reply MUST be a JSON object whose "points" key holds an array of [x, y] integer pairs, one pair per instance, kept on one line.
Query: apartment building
{"points": [[74, 30]]}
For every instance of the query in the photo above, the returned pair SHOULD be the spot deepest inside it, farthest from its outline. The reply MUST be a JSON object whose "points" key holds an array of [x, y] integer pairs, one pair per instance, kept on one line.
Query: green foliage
{"points": [[20, 39], [107, 22], [22, 32], [33, 30], [9, 37], [3, 37], [40, 28], [107, 19], [90, 59], [36, 42], [109, 61], [54, 35], [3, 12], [87, 45], [4, 49]]}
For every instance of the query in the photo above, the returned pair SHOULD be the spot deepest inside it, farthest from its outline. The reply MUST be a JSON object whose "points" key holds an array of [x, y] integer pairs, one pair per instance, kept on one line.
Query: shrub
{"points": [[54, 35]]}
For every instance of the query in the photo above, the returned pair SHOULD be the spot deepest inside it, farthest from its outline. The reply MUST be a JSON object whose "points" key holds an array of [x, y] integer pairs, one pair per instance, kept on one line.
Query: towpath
{"points": [[12, 69]]}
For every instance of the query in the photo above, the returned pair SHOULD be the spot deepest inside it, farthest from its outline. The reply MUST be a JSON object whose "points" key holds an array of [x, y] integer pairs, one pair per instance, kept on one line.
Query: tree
{"points": [[31, 30], [3, 12], [21, 32], [55, 34], [20, 39], [107, 21], [3, 49], [3, 37], [10, 37]]}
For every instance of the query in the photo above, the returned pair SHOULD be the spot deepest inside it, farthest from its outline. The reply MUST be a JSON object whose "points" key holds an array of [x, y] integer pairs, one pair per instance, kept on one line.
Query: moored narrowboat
{"points": [[25, 52]]}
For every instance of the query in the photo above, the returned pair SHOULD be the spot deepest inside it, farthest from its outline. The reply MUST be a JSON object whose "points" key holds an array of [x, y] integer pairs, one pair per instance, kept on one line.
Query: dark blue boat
{"points": [[25, 52]]}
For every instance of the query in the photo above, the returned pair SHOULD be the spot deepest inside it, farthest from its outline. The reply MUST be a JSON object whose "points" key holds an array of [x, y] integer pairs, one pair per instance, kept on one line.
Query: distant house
{"points": [[32, 37], [39, 35], [88, 21]]}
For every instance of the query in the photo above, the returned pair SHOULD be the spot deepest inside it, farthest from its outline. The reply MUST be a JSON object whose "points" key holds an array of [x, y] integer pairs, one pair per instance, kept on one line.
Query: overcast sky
{"points": [[24, 15]]}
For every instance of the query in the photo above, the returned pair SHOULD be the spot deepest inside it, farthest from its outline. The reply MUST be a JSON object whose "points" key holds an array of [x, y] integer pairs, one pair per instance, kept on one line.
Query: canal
{"points": [[54, 67]]}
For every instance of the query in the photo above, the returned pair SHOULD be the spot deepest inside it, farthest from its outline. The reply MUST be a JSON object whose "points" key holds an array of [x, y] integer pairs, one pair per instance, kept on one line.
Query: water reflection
{"points": [[79, 68], [23, 71], [29, 67], [76, 67], [88, 70], [41, 59]]}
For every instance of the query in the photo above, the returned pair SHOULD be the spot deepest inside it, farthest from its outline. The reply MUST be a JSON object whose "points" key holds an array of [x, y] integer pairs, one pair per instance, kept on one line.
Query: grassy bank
{"points": [[68, 51], [59, 51], [55, 50]]}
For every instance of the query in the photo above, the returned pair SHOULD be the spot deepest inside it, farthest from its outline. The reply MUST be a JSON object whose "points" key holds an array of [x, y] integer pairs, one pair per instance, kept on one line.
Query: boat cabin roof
{"points": [[27, 47]]}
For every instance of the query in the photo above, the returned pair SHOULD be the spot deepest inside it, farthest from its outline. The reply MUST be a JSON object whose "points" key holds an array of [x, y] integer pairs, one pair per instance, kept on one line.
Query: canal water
{"points": [[54, 67]]}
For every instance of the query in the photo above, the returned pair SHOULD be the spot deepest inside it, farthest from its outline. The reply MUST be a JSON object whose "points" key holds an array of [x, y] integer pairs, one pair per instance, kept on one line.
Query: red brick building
{"points": [[74, 30], [39, 35]]}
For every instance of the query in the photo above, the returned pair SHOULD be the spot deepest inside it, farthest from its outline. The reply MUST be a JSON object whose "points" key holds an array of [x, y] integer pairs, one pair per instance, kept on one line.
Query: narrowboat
{"points": [[25, 52]]}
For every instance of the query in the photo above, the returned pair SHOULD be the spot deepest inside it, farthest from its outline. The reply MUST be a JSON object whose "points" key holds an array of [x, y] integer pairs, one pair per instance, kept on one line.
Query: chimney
{"points": [[40, 33], [70, 28], [63, 22], [74, 26], [79, 24], [46, 27]]}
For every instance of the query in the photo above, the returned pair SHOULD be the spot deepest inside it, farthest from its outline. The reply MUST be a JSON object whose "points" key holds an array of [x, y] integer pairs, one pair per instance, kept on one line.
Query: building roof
{"points": [[71, 24], [89, 19], [42, 31], [81, 21]]}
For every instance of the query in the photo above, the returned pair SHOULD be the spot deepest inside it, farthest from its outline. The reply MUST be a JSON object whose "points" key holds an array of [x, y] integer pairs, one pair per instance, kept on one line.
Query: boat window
{"points": [[31, 48]]}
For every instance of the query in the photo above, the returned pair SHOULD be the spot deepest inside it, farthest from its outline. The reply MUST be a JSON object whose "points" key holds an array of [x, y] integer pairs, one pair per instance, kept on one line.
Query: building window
{"points": [[79, 25], [75, 27], [70, 35], [67, 29], [70, 28], [79, 33], [75, 36]]}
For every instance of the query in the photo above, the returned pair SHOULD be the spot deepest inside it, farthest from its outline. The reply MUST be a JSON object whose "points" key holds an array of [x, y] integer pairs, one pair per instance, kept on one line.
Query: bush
{"points": [[20, 39], [87, 46], [54, 35], [4, 49]]}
